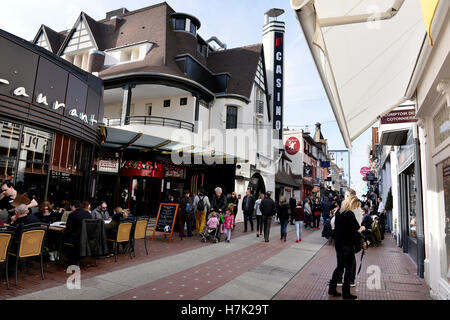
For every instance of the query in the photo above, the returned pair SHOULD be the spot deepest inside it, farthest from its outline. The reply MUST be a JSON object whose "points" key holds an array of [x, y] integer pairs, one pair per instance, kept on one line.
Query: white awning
{"points": [[367, 68]]}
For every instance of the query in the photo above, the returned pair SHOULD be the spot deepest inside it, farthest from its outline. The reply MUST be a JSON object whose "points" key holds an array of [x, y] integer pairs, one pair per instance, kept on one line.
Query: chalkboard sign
{"points": [[165, 220]]}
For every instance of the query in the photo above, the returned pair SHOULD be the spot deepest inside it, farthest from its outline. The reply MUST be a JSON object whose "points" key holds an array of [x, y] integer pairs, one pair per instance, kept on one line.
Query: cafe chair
{"points": [[31, 245], [140, 232], [6, 236], [123, 235]]}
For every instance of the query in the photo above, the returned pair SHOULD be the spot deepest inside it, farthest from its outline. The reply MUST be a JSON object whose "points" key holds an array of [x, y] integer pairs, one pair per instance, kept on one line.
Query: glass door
{"points": [[145, 196]]}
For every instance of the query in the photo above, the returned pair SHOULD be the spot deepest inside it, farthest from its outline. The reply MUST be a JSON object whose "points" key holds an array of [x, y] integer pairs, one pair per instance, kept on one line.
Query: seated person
{"points": [[112, 227], [73, 226], [46, 213], [101, 212], [21, 218], [367, 223], [213, 222]]}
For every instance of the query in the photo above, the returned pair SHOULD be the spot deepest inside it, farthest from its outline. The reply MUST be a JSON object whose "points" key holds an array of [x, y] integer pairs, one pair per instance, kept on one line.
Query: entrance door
{"points": [[145, 196]]}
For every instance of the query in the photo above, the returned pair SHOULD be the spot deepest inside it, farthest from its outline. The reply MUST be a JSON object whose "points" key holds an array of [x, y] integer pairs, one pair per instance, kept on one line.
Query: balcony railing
{"points": [[151, 120]]}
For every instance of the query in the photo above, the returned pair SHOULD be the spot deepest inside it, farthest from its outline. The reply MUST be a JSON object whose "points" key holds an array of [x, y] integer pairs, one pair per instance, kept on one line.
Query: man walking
{"points": [[248, 205], [268, 210], [326, 208]]}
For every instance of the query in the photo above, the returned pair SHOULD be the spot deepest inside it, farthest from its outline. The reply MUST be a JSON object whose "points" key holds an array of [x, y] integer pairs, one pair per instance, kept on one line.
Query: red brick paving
{"points": [[399, 280], [196, 282]]}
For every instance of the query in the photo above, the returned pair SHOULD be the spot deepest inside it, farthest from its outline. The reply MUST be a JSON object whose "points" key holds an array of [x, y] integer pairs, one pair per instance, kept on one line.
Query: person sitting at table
{"points": [[73, 226], [47, 215], [69, 208], [112, 227], [101, 212]]}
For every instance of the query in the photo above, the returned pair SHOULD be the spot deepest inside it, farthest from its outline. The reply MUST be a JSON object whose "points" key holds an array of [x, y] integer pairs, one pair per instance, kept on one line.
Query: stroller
{"points": [[210, 234]]}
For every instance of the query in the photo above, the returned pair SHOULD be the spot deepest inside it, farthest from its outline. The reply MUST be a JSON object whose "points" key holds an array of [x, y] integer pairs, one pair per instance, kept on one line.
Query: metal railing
{"points": [[151, 120]]}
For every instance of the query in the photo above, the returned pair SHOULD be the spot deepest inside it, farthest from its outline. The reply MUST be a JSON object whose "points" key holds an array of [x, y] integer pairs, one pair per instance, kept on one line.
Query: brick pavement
{"points": [[399, 280]]}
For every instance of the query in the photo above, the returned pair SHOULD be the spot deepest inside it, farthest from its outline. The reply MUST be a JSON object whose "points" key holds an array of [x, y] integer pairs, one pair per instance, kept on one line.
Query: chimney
{"points": [[116, 13], [273, 41], [318, 137]]}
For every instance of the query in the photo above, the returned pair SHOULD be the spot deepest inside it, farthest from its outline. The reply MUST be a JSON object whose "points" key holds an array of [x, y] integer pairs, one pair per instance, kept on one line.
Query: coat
{"points": [[219, 203], [229, 221], [93, 239], [268, 207], [251, 204], [284, 211]]}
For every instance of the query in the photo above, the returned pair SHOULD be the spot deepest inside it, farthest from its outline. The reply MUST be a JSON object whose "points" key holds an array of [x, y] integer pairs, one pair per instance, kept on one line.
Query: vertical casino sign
{"points": [[278, 84]]}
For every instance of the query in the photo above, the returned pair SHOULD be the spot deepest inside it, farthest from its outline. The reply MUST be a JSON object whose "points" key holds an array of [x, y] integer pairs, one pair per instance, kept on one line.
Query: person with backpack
{"points": [[201, 206], [187, 213]]}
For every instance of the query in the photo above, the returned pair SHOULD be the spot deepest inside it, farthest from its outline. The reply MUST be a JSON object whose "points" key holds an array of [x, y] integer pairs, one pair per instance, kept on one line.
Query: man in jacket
{"points": [[186, 210], [101, 212], [326, 208], [248, 204], [268, 210], [73, 226], [219, 201]]}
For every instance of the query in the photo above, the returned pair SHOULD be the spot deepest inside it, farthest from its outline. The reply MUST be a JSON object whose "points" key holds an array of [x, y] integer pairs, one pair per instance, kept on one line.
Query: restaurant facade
{"points": [[49, 115]]}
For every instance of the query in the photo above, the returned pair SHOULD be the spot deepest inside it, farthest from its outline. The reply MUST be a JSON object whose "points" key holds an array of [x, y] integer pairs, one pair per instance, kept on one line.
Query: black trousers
{"points": [[259, 224], [248, 217], [346, 261], [316, 221], [267, 221]]}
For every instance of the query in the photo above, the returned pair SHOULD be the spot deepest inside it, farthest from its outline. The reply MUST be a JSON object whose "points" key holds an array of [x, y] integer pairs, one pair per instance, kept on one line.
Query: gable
{"points": [[81, 38], [42, 41]]}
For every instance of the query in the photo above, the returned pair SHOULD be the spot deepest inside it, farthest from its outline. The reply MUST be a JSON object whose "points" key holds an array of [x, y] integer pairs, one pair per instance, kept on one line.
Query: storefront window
{"points": [[9, 144], [412, 204], [446, 174]]}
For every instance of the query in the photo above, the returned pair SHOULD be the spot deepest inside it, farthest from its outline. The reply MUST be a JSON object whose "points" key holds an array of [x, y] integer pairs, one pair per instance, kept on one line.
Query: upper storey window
{"points": [[193, 28], [179, 24]]}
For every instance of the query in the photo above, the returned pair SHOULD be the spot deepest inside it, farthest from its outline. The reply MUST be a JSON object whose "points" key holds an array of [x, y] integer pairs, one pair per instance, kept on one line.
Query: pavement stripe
{"points": [[116, 282], [264, 281]]}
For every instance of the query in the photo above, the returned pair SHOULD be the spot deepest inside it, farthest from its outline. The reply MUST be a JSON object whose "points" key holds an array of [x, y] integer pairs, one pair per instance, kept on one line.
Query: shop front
{"points": [[48, 122]]}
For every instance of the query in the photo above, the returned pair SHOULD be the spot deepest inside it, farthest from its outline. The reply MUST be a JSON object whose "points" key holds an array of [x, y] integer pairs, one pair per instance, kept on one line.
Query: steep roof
{"points": [[241, 63], [55, 39]]}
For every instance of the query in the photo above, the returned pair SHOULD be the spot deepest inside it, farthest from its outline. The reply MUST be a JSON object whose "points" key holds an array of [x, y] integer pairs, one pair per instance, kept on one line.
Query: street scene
{"points": [[225, 151]]}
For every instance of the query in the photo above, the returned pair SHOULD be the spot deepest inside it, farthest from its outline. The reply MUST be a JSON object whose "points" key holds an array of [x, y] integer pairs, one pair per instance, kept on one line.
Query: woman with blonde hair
{"points": [[345, 228]]}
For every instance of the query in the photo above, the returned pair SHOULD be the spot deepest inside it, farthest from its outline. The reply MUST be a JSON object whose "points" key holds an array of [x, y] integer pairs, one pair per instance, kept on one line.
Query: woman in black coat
{"points": [[283, 215], [345, 228]]}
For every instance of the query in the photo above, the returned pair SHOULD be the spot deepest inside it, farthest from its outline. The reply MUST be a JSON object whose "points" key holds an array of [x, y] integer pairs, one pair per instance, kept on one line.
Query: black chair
{"points": [[31, 244], [94, 240], [6, 238]]}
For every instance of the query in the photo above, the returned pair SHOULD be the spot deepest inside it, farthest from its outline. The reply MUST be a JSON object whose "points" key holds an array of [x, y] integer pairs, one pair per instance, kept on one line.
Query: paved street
{"points": [[246, 268]]}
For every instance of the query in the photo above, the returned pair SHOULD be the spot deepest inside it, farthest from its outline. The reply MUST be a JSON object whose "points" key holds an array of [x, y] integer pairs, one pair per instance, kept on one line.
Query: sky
{"points": [[236, 23]]}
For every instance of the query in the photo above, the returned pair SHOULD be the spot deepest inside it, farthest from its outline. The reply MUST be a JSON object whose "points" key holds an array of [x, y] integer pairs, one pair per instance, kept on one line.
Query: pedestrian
{"points": [[308, 214], [292, 204], [259, 216], [382, 217], [219, 201], [283, 215], [317, 212], [201, 206], [248, 204], [326, 208], [187, 213], [268, 210], [345, 230], [228, 223], [234, 200], [299, 217]]}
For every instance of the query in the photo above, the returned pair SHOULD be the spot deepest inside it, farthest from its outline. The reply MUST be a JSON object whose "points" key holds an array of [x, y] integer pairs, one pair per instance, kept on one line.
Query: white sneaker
{"points": [[52, 256]]}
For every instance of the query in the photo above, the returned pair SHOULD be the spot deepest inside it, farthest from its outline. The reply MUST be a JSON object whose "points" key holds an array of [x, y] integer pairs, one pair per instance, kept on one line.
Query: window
{"points": [[166, 103], [180, 24], [148, 106], [183, 101], [231, 117], [193, 29]]}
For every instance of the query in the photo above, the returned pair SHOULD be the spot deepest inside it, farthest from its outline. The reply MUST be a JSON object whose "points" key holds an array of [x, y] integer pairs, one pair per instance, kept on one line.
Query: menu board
{"points": [[165, 220]]}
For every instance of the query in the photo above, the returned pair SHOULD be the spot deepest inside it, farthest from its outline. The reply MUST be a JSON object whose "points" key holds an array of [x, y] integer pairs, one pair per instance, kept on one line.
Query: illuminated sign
{"points": [[278, 84]]}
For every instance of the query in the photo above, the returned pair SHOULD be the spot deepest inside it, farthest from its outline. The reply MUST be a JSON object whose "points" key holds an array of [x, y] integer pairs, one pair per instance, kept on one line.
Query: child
{"points": [[212, 221], [229, 223]]}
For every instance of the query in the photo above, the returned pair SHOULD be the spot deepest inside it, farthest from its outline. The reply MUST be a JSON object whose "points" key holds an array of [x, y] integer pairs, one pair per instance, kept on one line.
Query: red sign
{"points": [[142, 169], [399, 116], [364, 179], [364, 171], [292, 145]]}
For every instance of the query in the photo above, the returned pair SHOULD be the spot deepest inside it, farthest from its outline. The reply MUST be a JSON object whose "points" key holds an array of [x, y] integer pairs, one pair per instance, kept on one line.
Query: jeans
{"points": [[259, 224], [298, 229], [308, 220], [325, 219], [346, 261], [227, 233], [284, 223], [188, 224], [248, 217], [267, 221], [200, 218]]}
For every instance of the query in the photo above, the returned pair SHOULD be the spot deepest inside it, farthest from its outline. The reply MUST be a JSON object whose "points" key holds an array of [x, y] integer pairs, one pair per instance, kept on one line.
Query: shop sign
{"points": [[292, 146], [174, 172], [307, 171], [370, 176], [399, 116], [142, 169], [108, 166], [325, 164], [364, 171], [287, 190], [278, 84], [42, 99]]}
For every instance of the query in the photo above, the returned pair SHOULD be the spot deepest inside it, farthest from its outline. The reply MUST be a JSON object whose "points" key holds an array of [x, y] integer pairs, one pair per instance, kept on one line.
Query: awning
{"points": [[372, 66]]}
